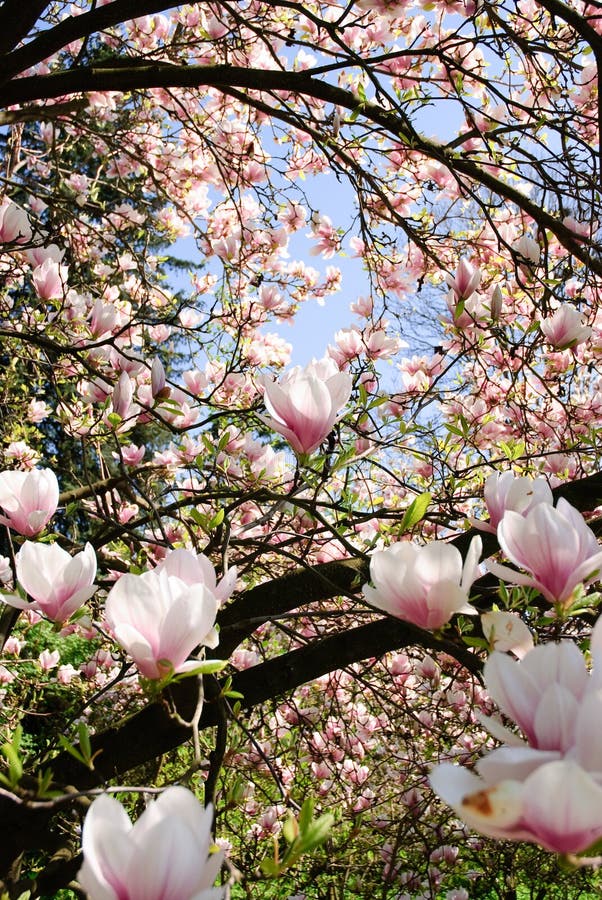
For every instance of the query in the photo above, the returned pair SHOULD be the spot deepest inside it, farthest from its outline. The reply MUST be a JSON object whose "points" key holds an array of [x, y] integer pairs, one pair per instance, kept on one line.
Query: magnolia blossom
{"points": [[163, 856], [305, 404], [497, 303], [580, 229], [158, 379], [58, 583], [123, 395], [49, 279], [28, 500], [529, 249], [504, 491], [14, 224], [545, 789], [506, 632], [554, 545], [466, 280], [158, 619], [465, 313], [423, 585], [196, 568], [565, 328]]}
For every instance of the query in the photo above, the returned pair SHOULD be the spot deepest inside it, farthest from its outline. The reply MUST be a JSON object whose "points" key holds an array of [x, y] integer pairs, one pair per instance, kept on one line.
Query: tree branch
{"points": [[72, 28], [140, 75], [16, 20]]}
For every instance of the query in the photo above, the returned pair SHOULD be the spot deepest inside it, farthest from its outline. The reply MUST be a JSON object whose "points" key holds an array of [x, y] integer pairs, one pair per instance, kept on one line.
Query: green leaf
{"points": [[84, 740], [205, 667], [15, 766], [217, 519], [269, 867], [306, 814], [317, 832], [290, 829], [415, 511], [73, 751]]}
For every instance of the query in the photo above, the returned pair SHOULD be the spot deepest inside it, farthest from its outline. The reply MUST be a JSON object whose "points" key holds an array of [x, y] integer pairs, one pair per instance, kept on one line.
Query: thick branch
{"points": [[72, 28], [243, 615], [16, 20], [144, 76], [156, 730]]}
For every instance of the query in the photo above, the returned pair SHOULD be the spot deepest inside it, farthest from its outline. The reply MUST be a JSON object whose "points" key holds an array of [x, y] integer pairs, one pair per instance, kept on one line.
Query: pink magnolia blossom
{"points": [[504, 491], [196, 568], [38, 255], [132, 454], [158, 379], [6, 676], [305, 404], [58, 583], [49, 659], [466, 280], [22, 453], [565, 328], [163, 856], [506, 632], [158, 619], [28, 500], [496, 303], [14, 224], [123, 395], [49, 279], [554, 545], [465, 312], [196, 381], [423, 585], [581, 229], [103, 318], [37, 411], [527, 248], [544, 789]]}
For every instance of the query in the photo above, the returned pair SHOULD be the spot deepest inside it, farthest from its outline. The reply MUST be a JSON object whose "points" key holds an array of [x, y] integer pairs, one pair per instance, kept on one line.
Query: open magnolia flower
{"points": [[158, 619], [547, 788], [305, 403], [57, 582], [28, 500], [423, 585], [163, 856], [565, 328], [196, 568], [505, 631], [554, 545], [504, 491]]}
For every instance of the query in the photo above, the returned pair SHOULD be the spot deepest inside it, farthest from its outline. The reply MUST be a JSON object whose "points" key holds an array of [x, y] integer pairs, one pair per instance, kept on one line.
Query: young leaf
{"points": [[415, 511]]}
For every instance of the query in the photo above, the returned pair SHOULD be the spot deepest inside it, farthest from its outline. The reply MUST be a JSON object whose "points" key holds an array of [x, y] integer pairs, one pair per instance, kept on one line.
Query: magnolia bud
{"points": [[497, 300], [158, 381]]}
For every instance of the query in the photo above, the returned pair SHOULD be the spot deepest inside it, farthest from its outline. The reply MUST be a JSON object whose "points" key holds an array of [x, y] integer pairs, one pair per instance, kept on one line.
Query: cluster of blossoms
{"points": [[546, 787], [158, 617], [201, 160], [428, 585]]}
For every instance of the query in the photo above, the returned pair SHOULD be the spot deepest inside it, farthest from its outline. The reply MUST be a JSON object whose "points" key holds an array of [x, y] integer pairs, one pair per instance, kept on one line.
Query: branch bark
{"points": [[140, 75]]}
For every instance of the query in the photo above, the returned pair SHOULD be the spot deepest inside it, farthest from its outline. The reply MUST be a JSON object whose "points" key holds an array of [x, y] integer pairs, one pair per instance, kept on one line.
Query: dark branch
{"points": [[73, 28], [17, 19], [139, 75]]}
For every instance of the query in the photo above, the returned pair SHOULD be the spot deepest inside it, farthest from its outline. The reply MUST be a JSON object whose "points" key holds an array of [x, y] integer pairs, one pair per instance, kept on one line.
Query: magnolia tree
{"points": [[300, 630]]}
